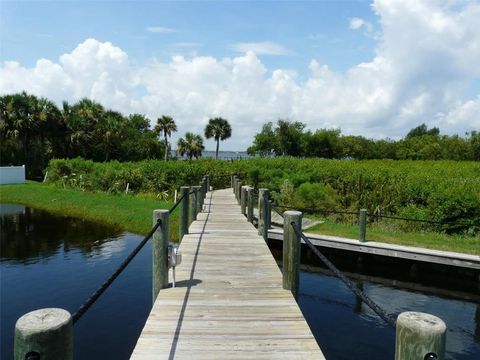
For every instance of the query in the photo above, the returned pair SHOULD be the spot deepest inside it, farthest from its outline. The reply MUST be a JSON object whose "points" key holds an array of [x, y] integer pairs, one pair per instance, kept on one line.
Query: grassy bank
{"points": [[430, 240], [126, 212], [134, 213]]}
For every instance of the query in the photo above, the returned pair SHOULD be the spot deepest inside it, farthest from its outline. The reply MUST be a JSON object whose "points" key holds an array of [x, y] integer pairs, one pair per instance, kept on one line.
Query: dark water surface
{"points": [[50, 261]]}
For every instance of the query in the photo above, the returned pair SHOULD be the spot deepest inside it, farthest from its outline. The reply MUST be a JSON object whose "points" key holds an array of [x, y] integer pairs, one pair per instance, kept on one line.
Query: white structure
{"points": [[12, 174]]}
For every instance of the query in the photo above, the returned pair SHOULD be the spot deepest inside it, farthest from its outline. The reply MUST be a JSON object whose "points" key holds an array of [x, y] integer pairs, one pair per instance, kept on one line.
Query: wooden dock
{"points": [[229, 302], [389, 250]]}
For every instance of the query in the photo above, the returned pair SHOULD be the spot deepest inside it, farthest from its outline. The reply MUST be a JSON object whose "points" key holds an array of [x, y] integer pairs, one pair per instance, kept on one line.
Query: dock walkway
{"points": [[229, 302]]}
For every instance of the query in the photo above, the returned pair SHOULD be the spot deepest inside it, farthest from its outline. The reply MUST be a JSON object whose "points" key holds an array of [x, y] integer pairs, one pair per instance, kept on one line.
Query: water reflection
{"points": [[53, 261], [333, 312], [27, 234]]}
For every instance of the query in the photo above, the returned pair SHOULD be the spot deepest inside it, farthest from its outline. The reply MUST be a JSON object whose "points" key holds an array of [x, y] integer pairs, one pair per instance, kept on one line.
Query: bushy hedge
{"points": [[445, 191]]}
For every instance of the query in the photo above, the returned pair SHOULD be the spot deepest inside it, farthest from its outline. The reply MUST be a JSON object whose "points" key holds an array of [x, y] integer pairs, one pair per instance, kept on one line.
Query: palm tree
{"points": [[166, 125], [192, 146], [219, 129], [111, 131]]}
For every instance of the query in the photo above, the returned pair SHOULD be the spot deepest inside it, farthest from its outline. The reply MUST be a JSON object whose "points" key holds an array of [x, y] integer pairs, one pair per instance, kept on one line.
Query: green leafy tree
{"points": [[265, 142], [475, 144], [166, 125], [219, 129], [191, 146], [422, 130], [324, 143], [289, 135]]}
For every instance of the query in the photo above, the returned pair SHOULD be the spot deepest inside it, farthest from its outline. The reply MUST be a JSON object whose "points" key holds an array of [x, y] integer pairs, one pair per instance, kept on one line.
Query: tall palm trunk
{"points": [[166, 148], [218, 145]]}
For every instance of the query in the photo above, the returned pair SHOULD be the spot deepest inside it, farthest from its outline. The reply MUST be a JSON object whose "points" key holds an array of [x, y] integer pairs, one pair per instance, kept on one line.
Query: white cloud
{"points": [[426, 58], [160, 29], [357, 23], [261, 48]]}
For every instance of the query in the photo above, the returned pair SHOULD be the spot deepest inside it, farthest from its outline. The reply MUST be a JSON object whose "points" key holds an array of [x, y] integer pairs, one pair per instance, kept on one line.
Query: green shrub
{"points": [[443, 190], [317, 196]]}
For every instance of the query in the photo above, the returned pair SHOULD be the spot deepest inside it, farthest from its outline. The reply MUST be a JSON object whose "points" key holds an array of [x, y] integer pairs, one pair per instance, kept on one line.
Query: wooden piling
{"points": [[235, 179], [198, 199], [362, 222], [239, 191], [266, 214], [420, 336], [261, 208], [192, 203], [203, 185], [44, 334], [243, 199], [291, 250], [159, 252], [183, 223], [250, 204]]}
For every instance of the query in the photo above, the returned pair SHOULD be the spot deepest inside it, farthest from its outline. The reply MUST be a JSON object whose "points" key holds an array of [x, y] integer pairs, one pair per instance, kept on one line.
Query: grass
{"points": [[126, 212], [134, 213], [430, 240]]}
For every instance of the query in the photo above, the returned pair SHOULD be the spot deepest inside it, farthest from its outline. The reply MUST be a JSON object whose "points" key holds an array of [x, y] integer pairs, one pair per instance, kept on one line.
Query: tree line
{"points": [[34, 130], [289, 138]]}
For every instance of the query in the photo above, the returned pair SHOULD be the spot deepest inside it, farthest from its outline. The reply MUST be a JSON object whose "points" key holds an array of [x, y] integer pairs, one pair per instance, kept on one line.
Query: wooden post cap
{"points": [[48, 332], [420, 335], [42, 320]]}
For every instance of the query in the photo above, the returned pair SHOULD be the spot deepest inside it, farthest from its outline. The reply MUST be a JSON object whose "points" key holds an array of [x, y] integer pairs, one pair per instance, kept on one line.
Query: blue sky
{"points": [[315, 29], [375, 68]]}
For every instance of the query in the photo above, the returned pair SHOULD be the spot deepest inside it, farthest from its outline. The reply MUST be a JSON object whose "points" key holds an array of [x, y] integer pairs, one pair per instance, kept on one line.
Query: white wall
{"points": [[12, 174]]}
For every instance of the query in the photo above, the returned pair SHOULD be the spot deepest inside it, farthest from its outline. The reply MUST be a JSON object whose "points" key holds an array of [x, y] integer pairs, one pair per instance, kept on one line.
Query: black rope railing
{"points": [[91, 300], [360, 294], [172, 209], [334, 211], [427, 221], [312, 210], [274, 207], [101, 289]]}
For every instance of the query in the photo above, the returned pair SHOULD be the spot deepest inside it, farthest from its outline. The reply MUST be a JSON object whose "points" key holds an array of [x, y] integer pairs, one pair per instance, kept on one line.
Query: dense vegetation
{"points": [[443, 191], [34, 130], [421, 143]]}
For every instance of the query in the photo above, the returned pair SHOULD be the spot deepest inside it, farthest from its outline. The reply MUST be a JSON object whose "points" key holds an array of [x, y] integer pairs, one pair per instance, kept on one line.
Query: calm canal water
{"points": [[50, 261]]}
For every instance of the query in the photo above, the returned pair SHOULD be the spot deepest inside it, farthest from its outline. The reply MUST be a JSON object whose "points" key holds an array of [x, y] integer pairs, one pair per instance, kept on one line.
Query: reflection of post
{"points": [[358, 301], [476, 335]]}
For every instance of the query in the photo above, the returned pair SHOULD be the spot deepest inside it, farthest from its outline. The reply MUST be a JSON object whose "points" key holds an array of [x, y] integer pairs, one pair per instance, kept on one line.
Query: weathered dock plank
{"points": [[229, 302]]}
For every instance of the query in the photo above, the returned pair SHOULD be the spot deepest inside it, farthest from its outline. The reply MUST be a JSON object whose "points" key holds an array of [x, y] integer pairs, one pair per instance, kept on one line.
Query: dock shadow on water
{"points": [[53, 261]]}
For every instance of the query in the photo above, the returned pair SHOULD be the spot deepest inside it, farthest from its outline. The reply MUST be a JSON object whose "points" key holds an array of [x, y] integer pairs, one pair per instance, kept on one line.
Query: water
{"points": [[223, 155], [347, 329], [51, 261]]}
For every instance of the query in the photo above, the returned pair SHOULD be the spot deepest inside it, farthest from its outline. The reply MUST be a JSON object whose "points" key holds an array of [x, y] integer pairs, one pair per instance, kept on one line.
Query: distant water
{"points": [[225, 155]]}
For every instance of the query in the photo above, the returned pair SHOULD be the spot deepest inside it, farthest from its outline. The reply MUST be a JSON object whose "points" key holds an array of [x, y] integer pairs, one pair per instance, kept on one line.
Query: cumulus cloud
{"points": [[425, 60], [261, 48]]}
